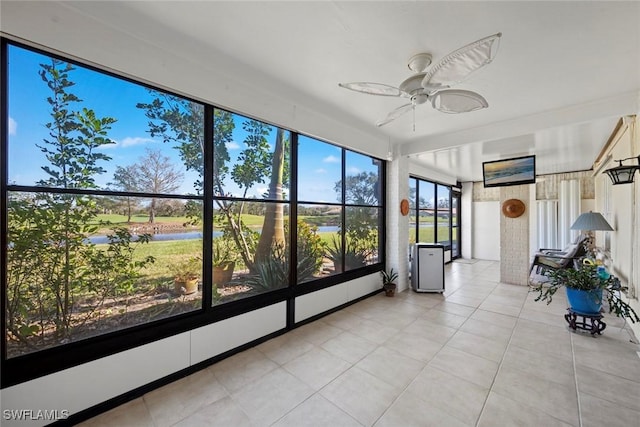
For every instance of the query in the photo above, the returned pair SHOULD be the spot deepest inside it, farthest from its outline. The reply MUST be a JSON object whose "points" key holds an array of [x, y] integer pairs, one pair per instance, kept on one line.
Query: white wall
{"points": [[486, 230], [466, 220], [623, 209]]}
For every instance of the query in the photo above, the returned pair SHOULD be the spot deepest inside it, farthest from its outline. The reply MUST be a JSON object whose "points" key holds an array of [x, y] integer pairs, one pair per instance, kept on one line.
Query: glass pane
{"points": [[319, 248], [443, 216], [413, 188], [80, 266], [426, 228], [426, 195], [71, 127], [251, 158], [362, 185], [362, 236], [455, 247], [319, 171], [250, 249]]}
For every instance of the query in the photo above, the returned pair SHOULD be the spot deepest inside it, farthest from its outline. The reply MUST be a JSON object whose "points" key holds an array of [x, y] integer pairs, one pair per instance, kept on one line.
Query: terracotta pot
{"points": [[222, 274], [185, 287]]}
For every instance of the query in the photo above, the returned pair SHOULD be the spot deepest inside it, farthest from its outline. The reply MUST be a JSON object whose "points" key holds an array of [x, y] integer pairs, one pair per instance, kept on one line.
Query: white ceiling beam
{"points": [[615, 106]]}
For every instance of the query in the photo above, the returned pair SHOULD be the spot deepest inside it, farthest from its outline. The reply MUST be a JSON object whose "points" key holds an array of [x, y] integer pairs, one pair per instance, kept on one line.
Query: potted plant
{"points": [[223, 261], [187, 275], [388, 282], [587, 286]]}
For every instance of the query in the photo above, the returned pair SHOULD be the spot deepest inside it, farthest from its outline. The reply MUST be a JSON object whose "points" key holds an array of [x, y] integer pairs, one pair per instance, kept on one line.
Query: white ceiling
{"points": [[563, 76]]}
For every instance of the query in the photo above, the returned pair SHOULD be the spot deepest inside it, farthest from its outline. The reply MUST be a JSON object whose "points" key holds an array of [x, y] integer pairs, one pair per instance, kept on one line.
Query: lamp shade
{"points": [[592, 221]]}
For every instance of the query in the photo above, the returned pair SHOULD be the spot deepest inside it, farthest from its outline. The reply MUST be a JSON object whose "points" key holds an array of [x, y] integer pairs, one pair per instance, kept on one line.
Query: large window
{"points": [[102, 207], [132, 213], [339, 209], [433, 216]]}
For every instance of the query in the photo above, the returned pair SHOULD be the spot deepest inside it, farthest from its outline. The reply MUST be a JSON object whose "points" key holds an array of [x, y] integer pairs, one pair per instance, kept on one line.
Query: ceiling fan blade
{"points": [[460, 64], [395, 114], [455, 101], [372, 88]]}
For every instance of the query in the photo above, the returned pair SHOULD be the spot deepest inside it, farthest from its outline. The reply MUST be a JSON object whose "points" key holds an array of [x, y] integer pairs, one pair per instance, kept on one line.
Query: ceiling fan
{"points": [[434, 85]]}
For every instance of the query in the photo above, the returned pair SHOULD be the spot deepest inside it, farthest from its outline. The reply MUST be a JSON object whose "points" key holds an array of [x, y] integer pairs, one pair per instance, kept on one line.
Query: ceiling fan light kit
{"points": [[434, 85]]}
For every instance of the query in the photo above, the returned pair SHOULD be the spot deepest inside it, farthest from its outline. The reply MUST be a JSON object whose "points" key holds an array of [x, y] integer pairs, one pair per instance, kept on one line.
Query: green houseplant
{"points": [[388, 282], [586, 289], [186, 275], [224, 261]]}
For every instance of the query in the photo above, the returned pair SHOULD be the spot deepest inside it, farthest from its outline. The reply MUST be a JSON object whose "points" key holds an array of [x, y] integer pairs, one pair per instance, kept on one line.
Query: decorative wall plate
{"points": [[513, 208], [404, 207]]}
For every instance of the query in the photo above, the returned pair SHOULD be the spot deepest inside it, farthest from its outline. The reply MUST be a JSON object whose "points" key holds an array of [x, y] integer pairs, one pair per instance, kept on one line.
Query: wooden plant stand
{"points": [[586, 322]]}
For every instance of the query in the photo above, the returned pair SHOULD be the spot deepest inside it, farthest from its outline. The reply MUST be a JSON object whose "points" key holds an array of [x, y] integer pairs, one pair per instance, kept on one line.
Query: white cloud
{"points": [[232, 145], [353, 170], [134, 140], [260, 191], [320, 170], [13, 126], [331, 159]]}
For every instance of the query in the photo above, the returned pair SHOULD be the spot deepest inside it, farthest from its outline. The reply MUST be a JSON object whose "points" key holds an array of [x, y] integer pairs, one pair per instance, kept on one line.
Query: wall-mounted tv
{"points": [[516, 171]]}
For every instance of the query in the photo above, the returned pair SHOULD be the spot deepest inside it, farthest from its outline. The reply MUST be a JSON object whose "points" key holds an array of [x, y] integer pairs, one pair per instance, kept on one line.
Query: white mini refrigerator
{"points": [[427, 267]]}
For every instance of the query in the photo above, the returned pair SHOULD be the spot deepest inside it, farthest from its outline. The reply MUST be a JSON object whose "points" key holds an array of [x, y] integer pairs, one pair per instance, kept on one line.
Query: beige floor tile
{"points": [[451, 307], [475, 369], [317, 411], [342, 319], [502, 411], [243, 368], [614, 389], [555, 399], [134, 413], [346, 392], [544, 366], [410, 411], [430, 330], [498, 319], [464, 300], [317, 368], [598, 412], [414, 345], [555, 320], [539, 337], [418, 359], [284, 348], [443, 318], [374, 331], [613, 360], [500, 334], [391, 366], [505, 309], [223, 413], [349, 347], [271, 397], [178, 400], [480, 346], [455, 396], [317, 332]]}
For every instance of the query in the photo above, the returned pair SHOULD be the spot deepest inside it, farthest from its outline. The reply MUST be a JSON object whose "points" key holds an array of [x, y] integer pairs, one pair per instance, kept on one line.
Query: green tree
{"points": [[125, 179], [51, 268]]}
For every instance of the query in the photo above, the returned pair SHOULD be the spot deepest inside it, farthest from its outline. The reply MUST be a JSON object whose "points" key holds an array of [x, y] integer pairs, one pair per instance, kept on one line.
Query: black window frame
{"points": [[452, 190], [30, 366]]}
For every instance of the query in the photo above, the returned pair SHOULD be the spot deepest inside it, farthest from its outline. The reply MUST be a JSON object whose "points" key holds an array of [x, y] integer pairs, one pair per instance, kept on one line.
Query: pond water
{"points": [[188, 235]]}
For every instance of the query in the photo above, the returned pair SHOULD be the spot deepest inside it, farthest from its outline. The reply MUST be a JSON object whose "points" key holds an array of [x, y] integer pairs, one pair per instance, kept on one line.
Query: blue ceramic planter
{"points": [[585, 302]]}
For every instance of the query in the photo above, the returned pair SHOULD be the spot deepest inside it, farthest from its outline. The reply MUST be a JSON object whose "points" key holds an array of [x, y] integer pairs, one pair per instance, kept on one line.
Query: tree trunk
{"points": [[273, 226]]}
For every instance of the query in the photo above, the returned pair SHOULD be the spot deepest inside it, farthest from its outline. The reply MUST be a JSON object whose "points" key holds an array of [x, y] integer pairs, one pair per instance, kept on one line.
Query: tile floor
{"points": [[482, 354]]}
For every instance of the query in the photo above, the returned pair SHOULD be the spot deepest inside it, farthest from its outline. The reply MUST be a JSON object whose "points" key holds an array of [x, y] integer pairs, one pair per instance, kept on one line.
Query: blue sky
{"points": [[319, 163]]}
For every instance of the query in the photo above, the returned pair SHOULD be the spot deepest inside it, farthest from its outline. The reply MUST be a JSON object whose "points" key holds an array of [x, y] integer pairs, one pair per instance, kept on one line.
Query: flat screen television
{"points": [[515, 171]]}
